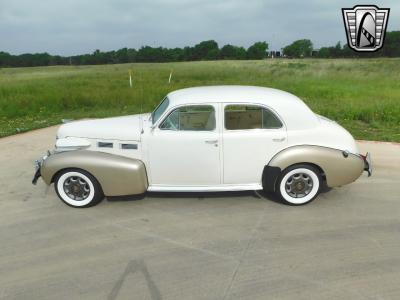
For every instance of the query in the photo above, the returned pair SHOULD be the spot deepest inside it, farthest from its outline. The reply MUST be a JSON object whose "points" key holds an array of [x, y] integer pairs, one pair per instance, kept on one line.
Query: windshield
{"points": [[156, 114]]}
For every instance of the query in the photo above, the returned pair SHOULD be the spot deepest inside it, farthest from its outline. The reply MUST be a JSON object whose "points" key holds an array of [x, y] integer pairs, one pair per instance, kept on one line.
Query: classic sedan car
{"points": [[219, 138]]}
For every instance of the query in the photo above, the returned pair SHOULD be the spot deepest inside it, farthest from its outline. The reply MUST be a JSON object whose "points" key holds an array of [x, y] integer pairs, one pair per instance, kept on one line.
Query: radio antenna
{"points": [[140, 94], [141, 102]]}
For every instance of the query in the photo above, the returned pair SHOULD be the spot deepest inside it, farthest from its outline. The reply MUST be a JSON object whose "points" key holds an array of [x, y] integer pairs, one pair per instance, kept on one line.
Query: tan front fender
{"points": [[340, 168], [116, 174]]}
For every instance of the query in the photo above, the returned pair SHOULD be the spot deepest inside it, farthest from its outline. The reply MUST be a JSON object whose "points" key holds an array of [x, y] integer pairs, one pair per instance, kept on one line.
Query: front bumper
{"points": [[36, 176], [367, 163], [38, 167]]}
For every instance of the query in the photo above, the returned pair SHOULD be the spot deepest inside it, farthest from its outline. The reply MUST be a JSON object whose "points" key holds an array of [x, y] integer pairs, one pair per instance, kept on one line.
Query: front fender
{"points": [[339, 167], [116, 174]]}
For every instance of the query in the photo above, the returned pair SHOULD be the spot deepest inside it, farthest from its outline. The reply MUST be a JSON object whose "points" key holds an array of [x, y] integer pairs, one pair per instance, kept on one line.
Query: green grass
{"points": [[362, 95]]}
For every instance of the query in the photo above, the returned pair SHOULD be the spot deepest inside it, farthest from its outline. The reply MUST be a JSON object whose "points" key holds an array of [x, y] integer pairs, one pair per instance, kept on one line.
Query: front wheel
{"points": [[78, 188], [299, 184]]}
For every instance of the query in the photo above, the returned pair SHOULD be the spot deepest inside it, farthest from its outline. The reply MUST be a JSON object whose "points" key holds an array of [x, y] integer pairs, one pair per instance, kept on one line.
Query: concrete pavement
{"points": [[344, 245]]}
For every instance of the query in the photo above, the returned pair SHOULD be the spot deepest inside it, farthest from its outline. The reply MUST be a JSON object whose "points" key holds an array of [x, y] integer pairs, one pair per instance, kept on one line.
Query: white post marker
{"points": [[170, 76], [130, 78]]}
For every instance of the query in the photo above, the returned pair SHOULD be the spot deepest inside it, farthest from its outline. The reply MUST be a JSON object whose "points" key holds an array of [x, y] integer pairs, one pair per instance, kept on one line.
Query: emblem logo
{"points": [[365, 27]]}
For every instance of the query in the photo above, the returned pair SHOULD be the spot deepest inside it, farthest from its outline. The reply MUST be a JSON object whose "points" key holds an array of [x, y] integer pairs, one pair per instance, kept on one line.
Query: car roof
{"points": [[230, 93], [294, 112]]}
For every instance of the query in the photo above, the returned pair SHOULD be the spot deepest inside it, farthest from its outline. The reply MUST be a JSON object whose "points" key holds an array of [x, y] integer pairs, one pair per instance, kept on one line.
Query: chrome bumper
{"points": [[367, 163], [38, 166]]}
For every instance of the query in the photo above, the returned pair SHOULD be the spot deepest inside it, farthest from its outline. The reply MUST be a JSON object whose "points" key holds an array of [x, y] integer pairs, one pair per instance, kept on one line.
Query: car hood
{"points": [[120, 128]]}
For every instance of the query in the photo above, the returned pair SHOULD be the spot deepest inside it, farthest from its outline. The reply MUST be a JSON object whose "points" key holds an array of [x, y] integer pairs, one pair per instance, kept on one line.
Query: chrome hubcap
{"points": [[299, 185], [76, 188]]}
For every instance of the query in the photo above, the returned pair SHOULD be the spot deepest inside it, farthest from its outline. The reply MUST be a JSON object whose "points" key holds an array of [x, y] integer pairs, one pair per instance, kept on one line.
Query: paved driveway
{"points": [[344, 245]]}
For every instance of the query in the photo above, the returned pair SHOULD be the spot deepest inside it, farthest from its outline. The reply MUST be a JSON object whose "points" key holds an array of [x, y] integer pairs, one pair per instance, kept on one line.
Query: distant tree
{"points": [[132, 54], [227, 52], [324, 52], [337, 50], [5, 59], [257, 51], [232, 52], [175, 54], [241, 53], [331, 52], [150, 54], [348, 52], [188, 53], [392, 44], [299, 48], [99, 57], [206, 50], [121, 56], [57, 60]]}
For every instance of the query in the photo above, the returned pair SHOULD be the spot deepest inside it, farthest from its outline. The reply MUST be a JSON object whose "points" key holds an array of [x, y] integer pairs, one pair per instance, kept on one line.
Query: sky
{"points": [[71, 27]]}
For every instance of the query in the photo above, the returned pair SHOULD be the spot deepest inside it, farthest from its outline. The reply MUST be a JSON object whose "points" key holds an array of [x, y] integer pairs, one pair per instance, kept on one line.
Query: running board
{"points": [[220, 188]]}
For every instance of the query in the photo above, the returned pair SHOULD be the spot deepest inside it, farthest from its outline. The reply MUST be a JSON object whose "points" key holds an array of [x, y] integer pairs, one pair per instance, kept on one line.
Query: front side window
{"points": [[156, 114], [190, 118], [238, 117]]}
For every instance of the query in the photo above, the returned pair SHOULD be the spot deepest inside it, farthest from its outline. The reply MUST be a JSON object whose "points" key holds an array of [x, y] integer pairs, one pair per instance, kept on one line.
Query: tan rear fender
{"points": [[339, 167]]}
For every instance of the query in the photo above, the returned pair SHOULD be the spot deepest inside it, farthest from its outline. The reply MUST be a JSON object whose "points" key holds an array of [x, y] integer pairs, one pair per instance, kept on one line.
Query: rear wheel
{"points": [[78, 188], [299, 184]]}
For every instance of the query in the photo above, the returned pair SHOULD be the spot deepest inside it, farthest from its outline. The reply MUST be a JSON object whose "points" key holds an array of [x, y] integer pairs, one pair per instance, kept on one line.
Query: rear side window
{"points": [[190, 118], [238, 117]]}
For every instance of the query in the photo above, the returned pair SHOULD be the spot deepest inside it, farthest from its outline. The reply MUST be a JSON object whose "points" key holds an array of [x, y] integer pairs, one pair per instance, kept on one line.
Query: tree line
{"points": [[304, 48], [206, 50]]}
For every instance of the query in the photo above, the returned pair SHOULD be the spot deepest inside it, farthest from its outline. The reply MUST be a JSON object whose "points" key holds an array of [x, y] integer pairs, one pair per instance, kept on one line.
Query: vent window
{"points": [[105, 145], [129, 146]]}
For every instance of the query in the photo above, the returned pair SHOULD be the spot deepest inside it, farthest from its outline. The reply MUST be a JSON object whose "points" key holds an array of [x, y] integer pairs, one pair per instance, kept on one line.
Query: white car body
{"points": [[209, 160]]}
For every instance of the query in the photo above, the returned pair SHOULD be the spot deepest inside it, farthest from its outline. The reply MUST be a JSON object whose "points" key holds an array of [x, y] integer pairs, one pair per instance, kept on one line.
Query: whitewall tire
{"points": [[299, 184], [78, 188]]}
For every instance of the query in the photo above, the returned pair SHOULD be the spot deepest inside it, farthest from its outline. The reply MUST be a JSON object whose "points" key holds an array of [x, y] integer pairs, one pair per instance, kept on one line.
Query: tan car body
{"points": [[338, 167], [120, 175], [117, 175]]}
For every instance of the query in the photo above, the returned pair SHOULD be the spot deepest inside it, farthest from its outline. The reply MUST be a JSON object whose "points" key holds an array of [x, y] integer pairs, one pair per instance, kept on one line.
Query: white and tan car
{"points": [[220, 138]]}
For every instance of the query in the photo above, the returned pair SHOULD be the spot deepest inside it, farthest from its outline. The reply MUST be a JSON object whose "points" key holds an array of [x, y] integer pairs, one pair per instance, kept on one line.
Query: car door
{"points": [[184, 150], [252, 134]]}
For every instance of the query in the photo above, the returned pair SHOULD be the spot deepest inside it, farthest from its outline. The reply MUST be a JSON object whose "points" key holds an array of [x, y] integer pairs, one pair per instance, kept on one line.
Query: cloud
{"points": [[75, 26]]}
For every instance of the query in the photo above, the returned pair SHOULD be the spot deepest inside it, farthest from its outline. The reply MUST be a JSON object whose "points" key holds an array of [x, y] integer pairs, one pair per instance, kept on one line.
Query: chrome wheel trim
{"points": [[67, 198], [313, 190], [76, 188], [299, 185]]}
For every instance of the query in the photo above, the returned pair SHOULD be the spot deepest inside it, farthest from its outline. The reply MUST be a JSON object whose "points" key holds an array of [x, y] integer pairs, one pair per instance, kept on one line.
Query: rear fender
{"points": [[339, 167]]}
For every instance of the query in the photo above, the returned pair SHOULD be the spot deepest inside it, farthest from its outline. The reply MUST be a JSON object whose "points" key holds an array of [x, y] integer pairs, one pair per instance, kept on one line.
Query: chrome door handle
{"points": [[279, 139], [211, 142]]}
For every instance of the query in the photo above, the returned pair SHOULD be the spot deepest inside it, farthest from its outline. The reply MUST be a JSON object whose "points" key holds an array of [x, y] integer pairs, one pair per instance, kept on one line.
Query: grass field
{"points": [[362, 95]]}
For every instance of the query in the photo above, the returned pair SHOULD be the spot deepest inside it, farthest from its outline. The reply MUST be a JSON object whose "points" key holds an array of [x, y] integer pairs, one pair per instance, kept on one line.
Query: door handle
{"points": [[279, 139], [211, 142]]}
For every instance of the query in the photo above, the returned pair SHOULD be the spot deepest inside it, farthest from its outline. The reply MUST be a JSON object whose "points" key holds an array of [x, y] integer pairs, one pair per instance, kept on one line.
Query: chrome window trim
{"points": [[225, 104], [187, 105]]}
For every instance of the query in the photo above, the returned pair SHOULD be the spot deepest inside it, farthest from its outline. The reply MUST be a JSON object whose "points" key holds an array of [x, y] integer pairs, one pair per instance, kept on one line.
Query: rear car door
{"points": [[252, 135]]}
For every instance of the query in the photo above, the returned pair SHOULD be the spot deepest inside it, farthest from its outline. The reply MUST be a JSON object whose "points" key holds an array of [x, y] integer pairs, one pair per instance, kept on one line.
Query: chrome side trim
{"points": [[116, 174], [207, 188], [338, 168]]}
